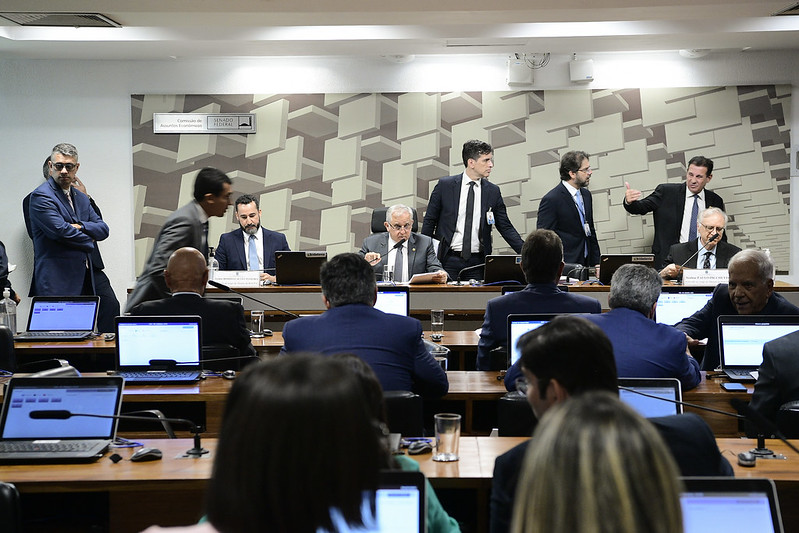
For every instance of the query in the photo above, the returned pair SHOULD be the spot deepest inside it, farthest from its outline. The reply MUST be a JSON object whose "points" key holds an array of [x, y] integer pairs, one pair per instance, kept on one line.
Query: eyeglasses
{"points": [[61, 166], [712, 229], [397, 227], [522, 385], [585, 170]]}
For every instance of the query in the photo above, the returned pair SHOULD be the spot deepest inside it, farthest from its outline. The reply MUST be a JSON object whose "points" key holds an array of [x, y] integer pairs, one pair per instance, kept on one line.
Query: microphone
{"points": [[581, 272], [764, 426], [458, 281], [61, 414], [711, 239], [245, 295]]}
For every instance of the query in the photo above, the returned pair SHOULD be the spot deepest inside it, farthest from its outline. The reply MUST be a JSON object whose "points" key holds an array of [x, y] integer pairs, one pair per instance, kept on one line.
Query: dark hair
{"points": [[46, 167], [572, 350], [570, 162], [542, 255], [348, 279], [701, 161], [210, 181], [271, 471], [370, 385], [474, 149], [635, 287], [245, 199]]}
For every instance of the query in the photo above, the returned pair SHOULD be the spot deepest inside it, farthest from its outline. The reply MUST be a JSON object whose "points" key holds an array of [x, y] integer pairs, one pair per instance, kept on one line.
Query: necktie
{"points": [[706, 264], [205, 239], [253, 253], [694, 215], [466, 250], [581, 209], [398, 277], [69, 199]]}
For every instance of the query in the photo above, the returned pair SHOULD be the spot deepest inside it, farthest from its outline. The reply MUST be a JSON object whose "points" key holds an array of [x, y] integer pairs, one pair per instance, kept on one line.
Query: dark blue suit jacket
{"points": [[61, 251], [778, 381], [231, 256], [704, 323], [535, 298], [391, 344], [688, 437], [558, 212], [441, 216], [661, 355]]}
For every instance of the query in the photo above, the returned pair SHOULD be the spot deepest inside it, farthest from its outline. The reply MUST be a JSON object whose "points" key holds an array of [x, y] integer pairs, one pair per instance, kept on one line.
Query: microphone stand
{"points": [[704, 246], [245, 295], [761, 423], [458, 281]]}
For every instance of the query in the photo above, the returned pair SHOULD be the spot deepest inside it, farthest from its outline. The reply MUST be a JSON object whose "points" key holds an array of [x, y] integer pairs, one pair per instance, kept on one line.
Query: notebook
{"points": [[61, 318], [741, 340], [731, 505], [518, 325], [666, 392], [51, 436], [503, 268], [394, 299], [298, 268], [676, 303], [610, 263], [158, 349]]}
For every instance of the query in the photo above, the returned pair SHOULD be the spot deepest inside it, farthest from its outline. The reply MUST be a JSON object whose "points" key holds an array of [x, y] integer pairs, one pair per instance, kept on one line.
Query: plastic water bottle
{"points": [[8, 311], [213, 264]]}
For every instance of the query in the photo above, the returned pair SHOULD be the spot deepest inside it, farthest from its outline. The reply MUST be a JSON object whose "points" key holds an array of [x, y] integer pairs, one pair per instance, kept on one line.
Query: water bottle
{"points": [[213, 264], [8, 311]]}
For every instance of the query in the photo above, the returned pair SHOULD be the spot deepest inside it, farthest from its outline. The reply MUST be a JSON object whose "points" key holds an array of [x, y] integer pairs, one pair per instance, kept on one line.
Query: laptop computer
{"points": [[50, 435], [298, 268], [610, 263], [666, 392], [731, 505], [676, 303], [503, 269], [61, 318], [158, 349], [741, 340], [520, 324], [394, 299]]}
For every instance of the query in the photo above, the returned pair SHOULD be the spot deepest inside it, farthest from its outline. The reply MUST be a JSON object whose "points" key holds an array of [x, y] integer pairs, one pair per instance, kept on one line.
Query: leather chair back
{"points": [[10, 513], [404, 411], [379, 217], [515, 417], [788, 419], [8, 360]]}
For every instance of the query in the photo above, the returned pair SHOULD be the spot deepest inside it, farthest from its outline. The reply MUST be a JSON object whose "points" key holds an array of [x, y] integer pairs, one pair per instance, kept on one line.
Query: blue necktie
{"points": [[253, 251], [694, 215], [581, 209]]}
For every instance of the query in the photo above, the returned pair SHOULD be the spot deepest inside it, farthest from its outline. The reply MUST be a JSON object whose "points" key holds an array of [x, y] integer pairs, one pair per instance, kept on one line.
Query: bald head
{"points": [[186, 271]]}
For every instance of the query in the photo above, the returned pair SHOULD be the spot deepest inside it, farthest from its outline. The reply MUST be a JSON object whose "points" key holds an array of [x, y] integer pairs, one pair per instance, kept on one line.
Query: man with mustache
{"points": [[250, 247]]}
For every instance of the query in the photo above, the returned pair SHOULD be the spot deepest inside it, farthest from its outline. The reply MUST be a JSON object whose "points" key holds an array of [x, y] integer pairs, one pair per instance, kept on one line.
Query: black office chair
{"points": [[788, 419], [515, 417], [8, 361], [379, 217], [10, 513], [404, 411]]}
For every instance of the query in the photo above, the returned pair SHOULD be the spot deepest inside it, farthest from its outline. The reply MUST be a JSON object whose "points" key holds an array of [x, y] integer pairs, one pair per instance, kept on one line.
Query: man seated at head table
{"points": [[186, 275], [570, 356], [750, 291], [409, 253], [542, 263], [391, 344], [712, 251]]}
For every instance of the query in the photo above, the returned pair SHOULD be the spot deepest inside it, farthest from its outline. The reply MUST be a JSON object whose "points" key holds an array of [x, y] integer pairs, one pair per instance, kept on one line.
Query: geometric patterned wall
{"points": [[321, 162]]}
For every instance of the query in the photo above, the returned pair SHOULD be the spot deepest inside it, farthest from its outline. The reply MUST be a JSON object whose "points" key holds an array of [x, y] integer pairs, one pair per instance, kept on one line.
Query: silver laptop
{"points": [[158, 349], [741, 340], [39, 422], [61, 318], [652, 396], [731, 505]]}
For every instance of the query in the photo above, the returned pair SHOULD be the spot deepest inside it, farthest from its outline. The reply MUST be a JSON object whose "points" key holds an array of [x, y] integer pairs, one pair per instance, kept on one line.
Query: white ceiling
{"points": [[161, 29]]}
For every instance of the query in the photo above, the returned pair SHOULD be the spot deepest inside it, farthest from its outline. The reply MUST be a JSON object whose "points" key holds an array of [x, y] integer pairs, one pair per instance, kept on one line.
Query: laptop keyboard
{"points": [[158, 376], [47, 447], [52, 334]]}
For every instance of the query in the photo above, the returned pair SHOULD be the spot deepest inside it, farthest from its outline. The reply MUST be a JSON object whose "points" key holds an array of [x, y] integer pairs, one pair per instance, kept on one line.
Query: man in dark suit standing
{"points": [[676, 207], [568, 210], [188, 226], [409, 253], [464, 208], [391, 344], [715, 253], [250, 247], [223, 321]]}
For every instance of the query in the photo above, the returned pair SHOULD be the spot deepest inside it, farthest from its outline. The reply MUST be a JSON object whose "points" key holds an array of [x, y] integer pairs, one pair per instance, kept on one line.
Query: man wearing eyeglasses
{"points": [[676, 206], [707, 251], [408, 252], [65, 229], [568, 210]]}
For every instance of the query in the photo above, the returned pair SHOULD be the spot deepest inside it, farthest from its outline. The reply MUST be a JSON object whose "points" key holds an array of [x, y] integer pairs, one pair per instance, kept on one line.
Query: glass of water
{"points": [[437, 324]]}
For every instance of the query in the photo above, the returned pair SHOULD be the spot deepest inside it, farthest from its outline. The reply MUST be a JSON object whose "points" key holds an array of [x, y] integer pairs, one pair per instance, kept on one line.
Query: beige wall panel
{"points": [[313, 121], [417, 113], [422, 148], [276, 209], [511, 164], [160, 103], [157, 159], [349, 190], [359, 117], [604, 134], [231, 146], [431, 170], [342, 158], [271, 120], [500, 108], [631, 159], [142, 248], [380, 149], [139, 195], [662, 106], [285, 166], [198, 146], [398, 181], [335, 225], [244, 182], [459, 107]]}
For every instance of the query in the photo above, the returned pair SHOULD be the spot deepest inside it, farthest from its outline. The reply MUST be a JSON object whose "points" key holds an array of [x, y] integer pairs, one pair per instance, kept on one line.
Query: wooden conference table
{"points": [[170, 491]]}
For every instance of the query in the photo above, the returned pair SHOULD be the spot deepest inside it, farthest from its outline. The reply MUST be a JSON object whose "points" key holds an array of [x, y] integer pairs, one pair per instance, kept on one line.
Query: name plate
{"points": [[203, 122], [247, 279], [698, 277]]}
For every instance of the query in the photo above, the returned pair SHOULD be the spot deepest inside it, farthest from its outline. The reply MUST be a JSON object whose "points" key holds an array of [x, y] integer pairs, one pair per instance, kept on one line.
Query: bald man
{"points": [[186, 275]]}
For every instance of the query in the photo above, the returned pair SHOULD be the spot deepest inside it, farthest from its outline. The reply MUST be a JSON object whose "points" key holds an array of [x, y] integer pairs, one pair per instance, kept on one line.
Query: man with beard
{"points": [[250, 247]]}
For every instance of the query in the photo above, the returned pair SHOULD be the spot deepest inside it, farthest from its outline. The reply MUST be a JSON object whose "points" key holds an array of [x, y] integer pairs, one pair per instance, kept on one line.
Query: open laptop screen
{"points": [[730, 505], [664, 389], [142, 338], [677, 303], [518, 325], [394, 300], [63, 314], [741, 337]]}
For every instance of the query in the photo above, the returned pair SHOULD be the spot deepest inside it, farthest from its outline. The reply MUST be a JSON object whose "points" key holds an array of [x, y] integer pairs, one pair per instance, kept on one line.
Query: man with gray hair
{"points": [[409, 253], [707, 251], [750, 291]]}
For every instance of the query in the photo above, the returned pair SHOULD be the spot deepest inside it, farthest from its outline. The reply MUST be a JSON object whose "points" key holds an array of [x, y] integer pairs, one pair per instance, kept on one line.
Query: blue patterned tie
{"points": [[581, 209], [694, 215], [253, 254]]}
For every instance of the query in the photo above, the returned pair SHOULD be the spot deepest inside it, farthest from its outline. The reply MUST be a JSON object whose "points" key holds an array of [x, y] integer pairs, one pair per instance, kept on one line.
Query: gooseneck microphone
{"points": [[764, 426], [458, 281], [62, 414], [245, 295], [704, 246]]}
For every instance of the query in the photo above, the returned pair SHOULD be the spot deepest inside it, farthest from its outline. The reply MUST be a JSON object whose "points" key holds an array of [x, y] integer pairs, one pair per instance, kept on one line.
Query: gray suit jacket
{"points": [[182, 228], [421, 254]]}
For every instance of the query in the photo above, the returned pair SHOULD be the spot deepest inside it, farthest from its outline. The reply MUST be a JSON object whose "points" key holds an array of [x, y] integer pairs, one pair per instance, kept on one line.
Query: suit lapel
{"points": [[679, 207], [242, 257], [411, 253], [66, 210]]}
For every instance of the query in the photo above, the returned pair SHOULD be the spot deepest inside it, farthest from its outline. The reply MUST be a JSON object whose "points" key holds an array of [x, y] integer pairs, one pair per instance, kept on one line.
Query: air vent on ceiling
{"points": [[69, 20], [790, 10]]}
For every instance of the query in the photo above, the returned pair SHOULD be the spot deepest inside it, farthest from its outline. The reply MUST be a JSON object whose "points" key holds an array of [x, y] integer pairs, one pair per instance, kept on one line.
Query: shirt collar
{"points": [[465, 180], [705, 250], [569, 187], [201, 211], [689, 194]]}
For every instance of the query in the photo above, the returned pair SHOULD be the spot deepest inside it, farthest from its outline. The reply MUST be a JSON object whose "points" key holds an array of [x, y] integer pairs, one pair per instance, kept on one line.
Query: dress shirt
{"points": [[457, 238], [685, 229], [259, 247], [700, 259], [392, 258]]}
